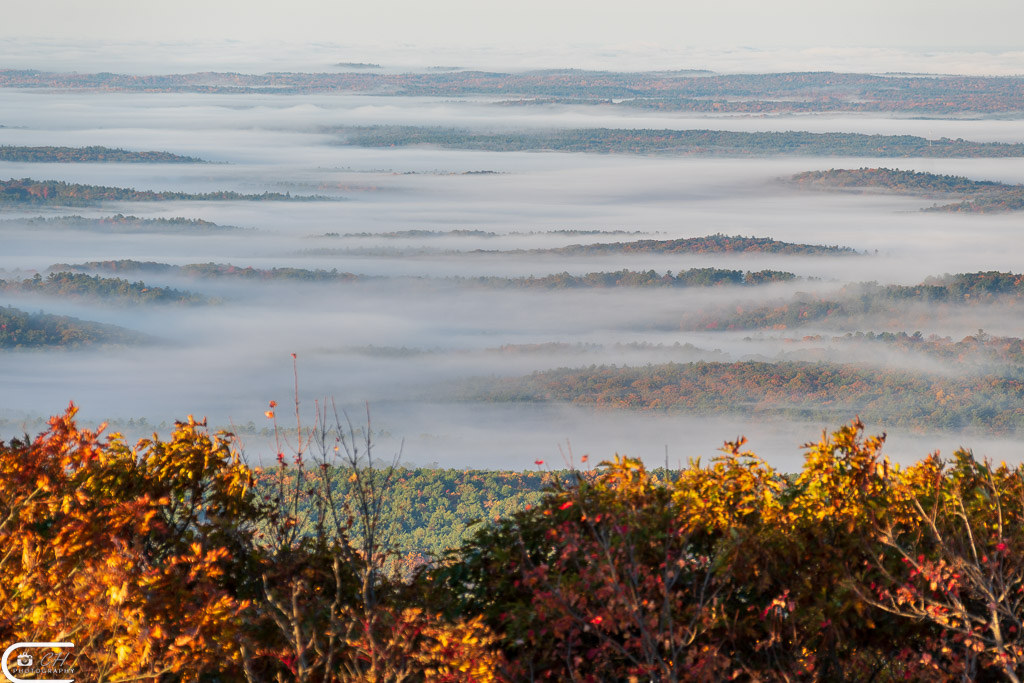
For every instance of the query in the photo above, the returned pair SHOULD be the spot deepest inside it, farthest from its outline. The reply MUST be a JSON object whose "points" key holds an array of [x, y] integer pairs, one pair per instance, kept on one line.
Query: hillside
{"points": [[982, 196], [22, 330]]}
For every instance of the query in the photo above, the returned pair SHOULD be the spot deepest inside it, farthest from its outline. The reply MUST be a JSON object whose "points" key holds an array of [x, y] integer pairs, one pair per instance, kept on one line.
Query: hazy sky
{"points": [[932, 24]]}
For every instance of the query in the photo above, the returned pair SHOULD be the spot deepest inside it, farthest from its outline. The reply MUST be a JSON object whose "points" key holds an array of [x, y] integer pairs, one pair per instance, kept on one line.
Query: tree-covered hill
{"points": [[208, 270], [118, 224], [92, 154], [67, 285], [22, 330], [893, 179], [710, 244], [982, 196], [866, 300]]}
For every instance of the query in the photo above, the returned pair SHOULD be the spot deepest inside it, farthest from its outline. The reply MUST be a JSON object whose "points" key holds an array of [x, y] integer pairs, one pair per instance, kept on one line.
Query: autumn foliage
{"points": [[175, 561]]}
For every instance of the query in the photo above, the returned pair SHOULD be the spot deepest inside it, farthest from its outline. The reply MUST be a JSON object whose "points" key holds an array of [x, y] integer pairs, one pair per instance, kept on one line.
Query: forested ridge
{"points": [[981, 352], [463, 232], [20, 329], [787, 389], [693, 277], [91, 154], [895, 180], [710, 244], [982, 196], [208, 270], [943, 294], [68, 285], [118, 223], [60, 193], [679, 142]]}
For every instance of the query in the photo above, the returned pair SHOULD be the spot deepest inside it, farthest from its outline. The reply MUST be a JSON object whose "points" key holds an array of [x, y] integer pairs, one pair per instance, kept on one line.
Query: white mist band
{"points": [[11, 677]]}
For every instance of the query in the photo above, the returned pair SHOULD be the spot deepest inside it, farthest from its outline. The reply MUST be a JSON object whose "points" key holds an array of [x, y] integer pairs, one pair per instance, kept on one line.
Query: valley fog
{"points": [[404, 333]]}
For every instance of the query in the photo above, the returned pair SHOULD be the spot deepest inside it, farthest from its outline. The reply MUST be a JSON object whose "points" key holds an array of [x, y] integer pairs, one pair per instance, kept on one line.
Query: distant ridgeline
{"points": [[984, 196], [677, 142], [208, 270], [406, 234], [19, 329], [680, 90], [119, 224], [711, 244], [59, 193], [694, 277], [68, 285], [794, 390], [91, 155], [940, 294], [980, 352]]}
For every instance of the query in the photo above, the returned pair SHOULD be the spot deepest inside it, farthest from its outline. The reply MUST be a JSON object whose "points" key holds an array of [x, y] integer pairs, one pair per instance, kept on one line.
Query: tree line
{"points": [[796, 390], [119, 223], [698, 142], [91, 154], [60, 193], [982, 196], [20, 329], [82, 286]]}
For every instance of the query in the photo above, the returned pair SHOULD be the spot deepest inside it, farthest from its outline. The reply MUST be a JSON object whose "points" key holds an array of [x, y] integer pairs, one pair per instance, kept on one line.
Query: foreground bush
{"points": [[174, 561]]}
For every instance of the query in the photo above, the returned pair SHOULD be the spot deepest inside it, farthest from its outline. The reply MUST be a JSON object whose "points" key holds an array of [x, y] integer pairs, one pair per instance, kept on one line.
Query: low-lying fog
{"points": [[399, 340]]}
